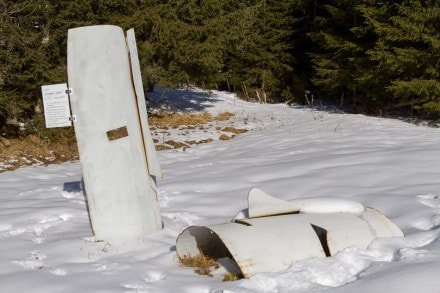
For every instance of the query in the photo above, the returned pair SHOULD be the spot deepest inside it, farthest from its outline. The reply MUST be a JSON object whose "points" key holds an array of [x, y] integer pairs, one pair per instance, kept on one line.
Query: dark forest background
{"points": [[365, 56]]}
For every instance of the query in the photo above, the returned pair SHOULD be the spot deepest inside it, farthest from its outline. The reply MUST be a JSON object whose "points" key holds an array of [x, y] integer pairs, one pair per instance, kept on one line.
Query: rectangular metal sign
{"points": [[56, 105]]}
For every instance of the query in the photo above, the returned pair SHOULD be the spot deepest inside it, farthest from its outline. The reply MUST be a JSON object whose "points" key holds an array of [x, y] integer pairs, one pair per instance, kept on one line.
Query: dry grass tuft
{"points": [[177, 119], [225, 137], [206, 140], [201, 263], [58, 146], [230, 277], [224, 116], [162, 147], [31, 150], [234, 130], [176, 144]]}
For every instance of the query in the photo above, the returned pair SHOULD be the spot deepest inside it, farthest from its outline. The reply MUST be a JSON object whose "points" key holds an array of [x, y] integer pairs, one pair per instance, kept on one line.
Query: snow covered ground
{"points": [[46, 242]]}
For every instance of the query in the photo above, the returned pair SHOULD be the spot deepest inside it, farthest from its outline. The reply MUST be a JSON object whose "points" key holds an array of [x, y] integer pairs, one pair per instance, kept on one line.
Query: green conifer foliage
{"points": [[368, 54], [33, 46], [22, 62], [407, 52], [259, 54], [340, 59]]}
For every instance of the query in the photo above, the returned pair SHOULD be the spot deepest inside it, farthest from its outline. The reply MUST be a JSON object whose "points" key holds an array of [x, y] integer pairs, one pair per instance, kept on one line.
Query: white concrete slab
{"points": [[121, 200]]}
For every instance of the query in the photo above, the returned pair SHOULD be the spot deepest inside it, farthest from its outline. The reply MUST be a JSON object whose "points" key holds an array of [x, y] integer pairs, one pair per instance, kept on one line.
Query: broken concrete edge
{"points": [[261, 204], [153, 164]]}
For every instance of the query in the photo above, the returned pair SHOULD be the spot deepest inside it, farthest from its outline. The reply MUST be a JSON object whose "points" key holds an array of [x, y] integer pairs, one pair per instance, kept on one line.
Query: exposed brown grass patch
{"points": [[204, 265], [176, 144], [224, 116], [172, 144], [185, 120], [177, 119], [201, 263], [191, 142], [52, 146], [162, 147], [207, 140], [31, 150], [234, 130], [230, 277], [225, 137]]}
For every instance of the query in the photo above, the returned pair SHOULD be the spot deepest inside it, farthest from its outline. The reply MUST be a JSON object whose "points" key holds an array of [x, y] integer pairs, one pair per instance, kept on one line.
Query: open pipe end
{"points": [[196, 241]]}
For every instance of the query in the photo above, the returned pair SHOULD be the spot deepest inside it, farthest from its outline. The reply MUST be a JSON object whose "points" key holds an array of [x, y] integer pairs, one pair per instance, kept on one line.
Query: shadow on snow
{"points": [[182, 100]]}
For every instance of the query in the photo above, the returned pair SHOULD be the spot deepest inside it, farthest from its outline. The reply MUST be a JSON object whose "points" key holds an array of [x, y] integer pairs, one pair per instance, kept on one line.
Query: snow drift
{"points": [[46, 240]]}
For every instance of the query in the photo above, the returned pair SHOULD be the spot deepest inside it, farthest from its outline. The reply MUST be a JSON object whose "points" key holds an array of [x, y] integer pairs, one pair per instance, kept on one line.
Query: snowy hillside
{"points": [[46, 242]]}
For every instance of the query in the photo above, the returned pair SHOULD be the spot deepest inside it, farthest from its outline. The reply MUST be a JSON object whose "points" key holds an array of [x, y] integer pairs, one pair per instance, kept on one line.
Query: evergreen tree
{"points": [[260, 55], [33, 46], [407, 52], [23, 65], [340, 58], [371, 54]]}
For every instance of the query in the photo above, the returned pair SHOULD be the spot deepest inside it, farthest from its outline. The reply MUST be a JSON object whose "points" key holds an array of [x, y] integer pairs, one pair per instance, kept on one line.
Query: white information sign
{"points": [[56, 105]]}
